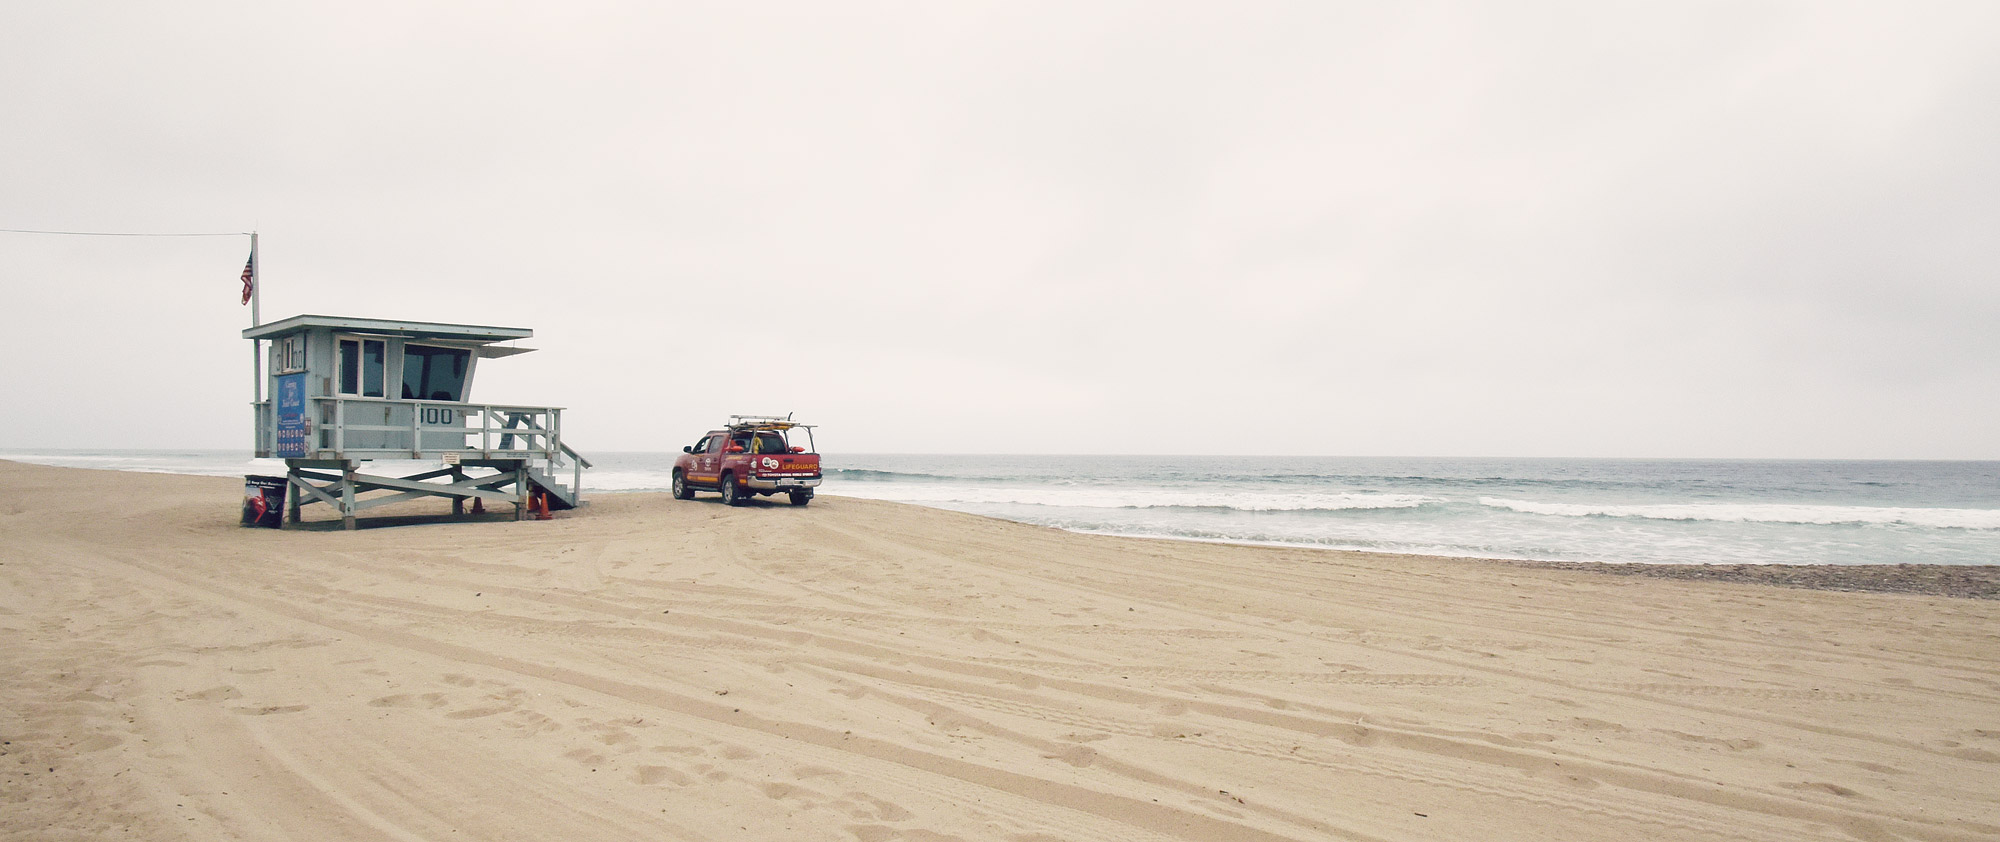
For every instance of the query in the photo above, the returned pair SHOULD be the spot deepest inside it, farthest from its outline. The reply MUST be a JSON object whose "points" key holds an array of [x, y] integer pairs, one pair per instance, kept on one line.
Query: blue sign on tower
{"points": [[292, 416]]}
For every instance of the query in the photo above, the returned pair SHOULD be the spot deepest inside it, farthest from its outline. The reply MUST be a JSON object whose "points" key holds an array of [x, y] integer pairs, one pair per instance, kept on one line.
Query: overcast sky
{"points": [[1504, 229]]}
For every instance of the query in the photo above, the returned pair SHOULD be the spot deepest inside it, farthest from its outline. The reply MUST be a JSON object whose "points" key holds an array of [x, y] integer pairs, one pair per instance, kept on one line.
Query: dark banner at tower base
{"points": [[264, 501]]}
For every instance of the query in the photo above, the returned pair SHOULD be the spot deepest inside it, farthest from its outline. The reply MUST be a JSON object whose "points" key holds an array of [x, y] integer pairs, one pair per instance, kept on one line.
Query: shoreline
{"points": [[1957, 581], [1965, 581], [1816, 522], [864, 671]]}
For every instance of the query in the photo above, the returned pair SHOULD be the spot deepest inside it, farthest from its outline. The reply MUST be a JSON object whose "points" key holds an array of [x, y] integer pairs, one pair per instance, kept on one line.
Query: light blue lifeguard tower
{"points": [[347, 391]]}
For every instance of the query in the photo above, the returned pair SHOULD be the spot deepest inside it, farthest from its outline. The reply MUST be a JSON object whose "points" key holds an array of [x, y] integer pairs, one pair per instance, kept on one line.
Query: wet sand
{"points": [[1959, 581]]}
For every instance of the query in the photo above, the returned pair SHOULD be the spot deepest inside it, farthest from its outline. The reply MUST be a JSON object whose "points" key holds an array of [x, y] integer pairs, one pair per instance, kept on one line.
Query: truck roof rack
{"points": [[764, 422]]}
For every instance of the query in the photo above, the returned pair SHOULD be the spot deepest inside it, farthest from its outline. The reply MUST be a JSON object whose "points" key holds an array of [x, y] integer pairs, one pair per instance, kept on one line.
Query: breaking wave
{"points": [[1136, 498]]}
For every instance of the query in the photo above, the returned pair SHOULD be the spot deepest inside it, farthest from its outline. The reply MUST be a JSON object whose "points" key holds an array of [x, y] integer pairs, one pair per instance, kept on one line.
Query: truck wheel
{"points": [[731, 495], [681, 489], [800, 498]]}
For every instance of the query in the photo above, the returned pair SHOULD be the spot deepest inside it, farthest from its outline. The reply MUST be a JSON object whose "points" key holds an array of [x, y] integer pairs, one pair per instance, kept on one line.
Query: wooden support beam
{"points": [[319, 495], [453, 471], [469, 488], [372, 502], [341, 485]]}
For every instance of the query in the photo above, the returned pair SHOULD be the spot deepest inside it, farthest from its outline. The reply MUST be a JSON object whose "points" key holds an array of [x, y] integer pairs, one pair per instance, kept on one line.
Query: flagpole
{"points": [[256, 282], [256, 345]]}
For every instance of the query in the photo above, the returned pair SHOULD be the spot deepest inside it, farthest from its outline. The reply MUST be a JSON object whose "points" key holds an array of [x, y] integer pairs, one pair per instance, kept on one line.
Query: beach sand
{"points": [[854, 670]]}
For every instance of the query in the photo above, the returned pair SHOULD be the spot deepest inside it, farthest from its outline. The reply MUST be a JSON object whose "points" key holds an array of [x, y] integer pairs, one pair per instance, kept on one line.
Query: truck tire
{"points": [[681, 489], [731, 495], [800, 498]]}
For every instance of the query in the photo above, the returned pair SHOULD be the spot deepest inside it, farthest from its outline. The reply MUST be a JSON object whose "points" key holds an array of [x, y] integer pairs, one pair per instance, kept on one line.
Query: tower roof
{"points": [[391, 327]]}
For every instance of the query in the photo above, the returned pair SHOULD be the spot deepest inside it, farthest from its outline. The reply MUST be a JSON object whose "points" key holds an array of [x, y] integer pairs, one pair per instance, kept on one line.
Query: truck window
{"points": [[768, 443], [700, 446]]}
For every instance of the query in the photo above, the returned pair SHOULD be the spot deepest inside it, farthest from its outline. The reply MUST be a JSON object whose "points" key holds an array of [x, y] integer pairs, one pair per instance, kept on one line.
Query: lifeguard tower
{"points": [[346, 391]]}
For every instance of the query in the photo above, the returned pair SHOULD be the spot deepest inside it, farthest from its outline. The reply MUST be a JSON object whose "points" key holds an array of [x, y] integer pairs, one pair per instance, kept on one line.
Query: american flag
{"points": [[249, 282]]}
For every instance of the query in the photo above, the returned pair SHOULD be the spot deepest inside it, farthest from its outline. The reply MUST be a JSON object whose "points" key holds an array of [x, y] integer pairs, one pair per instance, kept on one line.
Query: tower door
{"points": [[363, 364]]}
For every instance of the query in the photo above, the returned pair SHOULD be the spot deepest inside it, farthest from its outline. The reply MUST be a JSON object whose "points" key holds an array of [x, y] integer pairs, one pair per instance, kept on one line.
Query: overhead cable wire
{"points": [[127, 233]]}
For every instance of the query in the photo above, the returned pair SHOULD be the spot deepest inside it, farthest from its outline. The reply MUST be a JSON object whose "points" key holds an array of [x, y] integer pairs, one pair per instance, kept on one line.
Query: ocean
{"points": [[1614, 510]]}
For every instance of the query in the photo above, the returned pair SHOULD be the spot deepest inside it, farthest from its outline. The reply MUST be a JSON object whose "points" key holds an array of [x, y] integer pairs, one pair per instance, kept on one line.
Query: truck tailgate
{"points": [[785, 465]]}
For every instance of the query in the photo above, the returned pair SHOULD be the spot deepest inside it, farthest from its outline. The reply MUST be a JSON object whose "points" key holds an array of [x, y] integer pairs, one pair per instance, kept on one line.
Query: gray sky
{"points": [[1508, 229]]}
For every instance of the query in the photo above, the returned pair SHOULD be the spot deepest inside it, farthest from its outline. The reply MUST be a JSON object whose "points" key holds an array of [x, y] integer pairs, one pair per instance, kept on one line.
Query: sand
{"points": [[855, 670]]}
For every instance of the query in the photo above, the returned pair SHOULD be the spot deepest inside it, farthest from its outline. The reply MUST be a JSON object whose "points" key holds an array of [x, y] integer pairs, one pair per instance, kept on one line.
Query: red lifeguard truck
{"points": [[753, 455]]}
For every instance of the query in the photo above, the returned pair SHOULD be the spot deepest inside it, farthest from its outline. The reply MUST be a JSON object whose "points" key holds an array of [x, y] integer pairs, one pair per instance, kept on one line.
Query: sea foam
{"points": [[1089, 497]]}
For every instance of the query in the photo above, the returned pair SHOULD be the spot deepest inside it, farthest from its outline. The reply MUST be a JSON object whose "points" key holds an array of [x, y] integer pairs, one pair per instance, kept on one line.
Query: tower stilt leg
{"points": [[347, 499], [521, 492]]}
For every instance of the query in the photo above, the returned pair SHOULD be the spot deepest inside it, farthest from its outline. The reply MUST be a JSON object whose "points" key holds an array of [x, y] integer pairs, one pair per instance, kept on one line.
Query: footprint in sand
{"points": [[656, 775], [99, 742], [585, 756], [1875, 767], [1078, 756], [215, 694], [475, 713], [781, 791], [688, 750], [508, 699], [877, 833], [1737, 744], [530, 723], [869, 808], [613, 733], [1822, 786], [267, 710], [409, 700]]}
